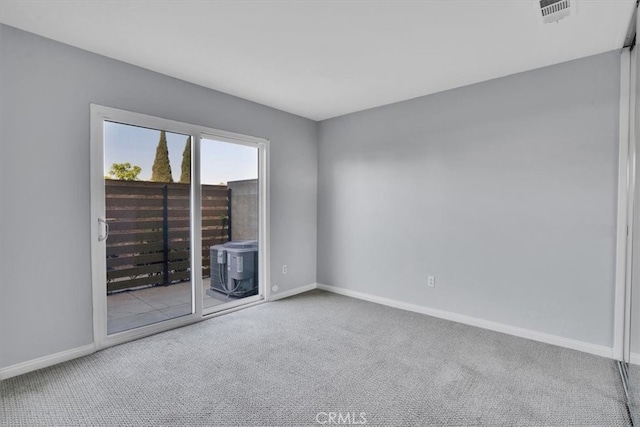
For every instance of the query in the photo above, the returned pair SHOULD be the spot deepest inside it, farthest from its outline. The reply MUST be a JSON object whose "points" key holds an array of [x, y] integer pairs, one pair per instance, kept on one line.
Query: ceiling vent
{"points": [[554, 10]]}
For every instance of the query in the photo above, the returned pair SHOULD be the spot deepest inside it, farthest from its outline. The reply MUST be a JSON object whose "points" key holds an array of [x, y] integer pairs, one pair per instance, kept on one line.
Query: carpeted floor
{"points": [[633, 375], [296, 361]]}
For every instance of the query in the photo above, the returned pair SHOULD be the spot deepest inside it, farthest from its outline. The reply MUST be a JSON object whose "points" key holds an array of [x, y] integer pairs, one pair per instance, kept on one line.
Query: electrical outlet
{"points": [[431, 281], [284, 269]]}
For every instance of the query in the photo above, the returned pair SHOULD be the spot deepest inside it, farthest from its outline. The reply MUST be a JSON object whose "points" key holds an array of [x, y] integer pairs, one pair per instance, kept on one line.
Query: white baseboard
{"points": [[473, 321], [634, 359], [45, 361], [291, 292]]}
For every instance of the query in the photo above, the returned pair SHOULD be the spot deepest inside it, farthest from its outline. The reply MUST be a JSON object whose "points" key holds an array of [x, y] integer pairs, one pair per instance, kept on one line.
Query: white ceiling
{"points": [[321, 59]]}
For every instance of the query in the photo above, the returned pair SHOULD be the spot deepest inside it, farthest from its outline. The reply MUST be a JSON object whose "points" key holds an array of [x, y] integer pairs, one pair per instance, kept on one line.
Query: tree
{"points": [[185, 176], [124, 171], [161, 170]]}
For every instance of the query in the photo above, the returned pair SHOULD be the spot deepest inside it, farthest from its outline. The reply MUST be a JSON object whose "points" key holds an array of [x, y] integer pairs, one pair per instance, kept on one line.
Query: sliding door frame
{"points": [[263, 253], [631, 200], [627, 147], [100, 114], [625, 199]]}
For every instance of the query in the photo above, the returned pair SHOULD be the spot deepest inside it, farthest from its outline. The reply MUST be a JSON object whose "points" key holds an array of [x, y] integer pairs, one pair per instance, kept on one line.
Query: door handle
{"points": [[106, 230]]}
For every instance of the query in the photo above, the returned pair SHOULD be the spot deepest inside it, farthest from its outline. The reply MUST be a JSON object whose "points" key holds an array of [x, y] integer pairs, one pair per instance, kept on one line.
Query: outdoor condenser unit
{"points": [[234, 269], [555, 10]]}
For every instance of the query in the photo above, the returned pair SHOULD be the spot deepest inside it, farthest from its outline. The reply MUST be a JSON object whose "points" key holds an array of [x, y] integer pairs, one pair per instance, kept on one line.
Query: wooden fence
{"points": [[149, 230]]}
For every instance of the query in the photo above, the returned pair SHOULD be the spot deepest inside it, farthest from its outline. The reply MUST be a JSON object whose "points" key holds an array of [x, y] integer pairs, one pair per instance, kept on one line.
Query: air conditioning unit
{"points": [[234, 269], [554, 10]]}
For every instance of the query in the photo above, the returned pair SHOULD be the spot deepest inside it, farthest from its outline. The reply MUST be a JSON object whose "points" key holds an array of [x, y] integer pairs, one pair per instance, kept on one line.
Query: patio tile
{"points": [[124, 305], [162, 297], [177, 310], [220, 298], [132, 309], [135, 321]]}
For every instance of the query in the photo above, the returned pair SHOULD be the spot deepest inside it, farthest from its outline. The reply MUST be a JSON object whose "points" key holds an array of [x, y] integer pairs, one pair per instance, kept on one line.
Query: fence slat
{"points": [[130, 224], [146, 213], [145, 203], [146, 237], [149, 280], [147, 269], [131, 261]]}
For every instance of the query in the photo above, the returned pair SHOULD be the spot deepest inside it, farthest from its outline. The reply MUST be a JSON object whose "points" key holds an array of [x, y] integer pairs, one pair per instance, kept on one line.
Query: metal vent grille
{"points": [[554, 10]]}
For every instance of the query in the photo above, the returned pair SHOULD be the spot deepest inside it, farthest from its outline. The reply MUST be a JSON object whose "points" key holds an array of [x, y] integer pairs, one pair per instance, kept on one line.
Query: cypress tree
{"points": [[185, 176], [161, 170]]}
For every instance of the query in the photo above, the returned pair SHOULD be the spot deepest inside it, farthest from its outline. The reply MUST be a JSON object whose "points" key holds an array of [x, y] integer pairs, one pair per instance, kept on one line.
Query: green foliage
{"points": [[185, 176], [124, 171], [161, 170]]}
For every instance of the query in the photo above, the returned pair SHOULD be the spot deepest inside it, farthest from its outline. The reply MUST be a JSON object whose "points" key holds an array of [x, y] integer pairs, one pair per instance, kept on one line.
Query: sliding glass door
{"points": [[147, 211], [179, 223], [230, 227]]}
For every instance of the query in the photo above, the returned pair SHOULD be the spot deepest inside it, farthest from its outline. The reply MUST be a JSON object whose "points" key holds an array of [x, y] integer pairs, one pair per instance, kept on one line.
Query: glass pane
{"points": [[147, 200], [229, 178]]}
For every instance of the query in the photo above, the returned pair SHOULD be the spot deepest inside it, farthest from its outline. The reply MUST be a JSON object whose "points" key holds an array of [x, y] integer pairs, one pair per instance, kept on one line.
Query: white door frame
{"points": [[626, 132], [631, 200], [263, 253], [100, 114], [627, 147]]}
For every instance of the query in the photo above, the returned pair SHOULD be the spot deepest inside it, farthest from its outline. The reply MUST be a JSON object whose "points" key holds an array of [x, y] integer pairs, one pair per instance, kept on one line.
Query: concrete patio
{"points": [[132, 309]]}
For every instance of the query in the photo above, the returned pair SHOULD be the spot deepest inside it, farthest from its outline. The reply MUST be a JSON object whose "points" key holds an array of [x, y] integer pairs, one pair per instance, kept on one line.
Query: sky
{"points": [[221, 161]]}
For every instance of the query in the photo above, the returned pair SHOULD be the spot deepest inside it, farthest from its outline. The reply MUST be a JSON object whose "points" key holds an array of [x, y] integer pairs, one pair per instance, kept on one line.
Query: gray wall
{"points": [[46, 88], [504, 190]]}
